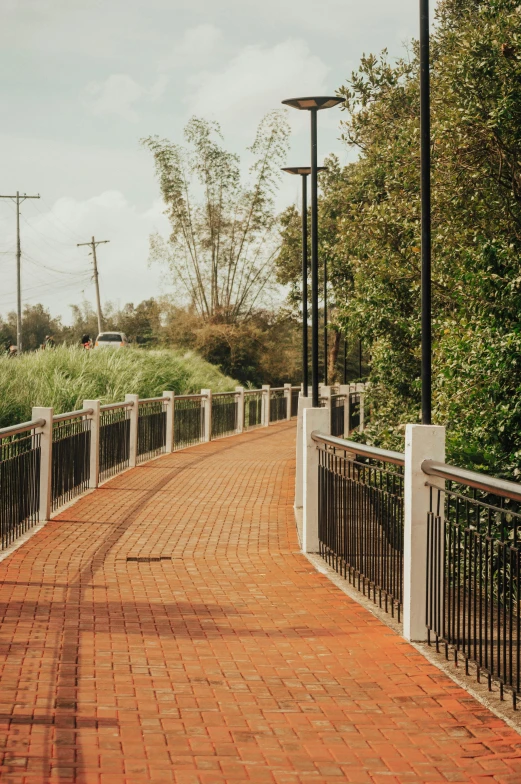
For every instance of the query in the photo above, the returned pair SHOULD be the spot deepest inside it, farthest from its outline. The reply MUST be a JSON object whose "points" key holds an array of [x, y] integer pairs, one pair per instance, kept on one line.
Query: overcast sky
{"points": [[83, 80]]}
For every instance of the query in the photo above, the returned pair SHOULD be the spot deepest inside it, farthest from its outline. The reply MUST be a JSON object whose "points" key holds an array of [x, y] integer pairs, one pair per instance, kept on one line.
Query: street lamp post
{"points": [[426, 241], [304, 172], [325, 320], [314, 105]]}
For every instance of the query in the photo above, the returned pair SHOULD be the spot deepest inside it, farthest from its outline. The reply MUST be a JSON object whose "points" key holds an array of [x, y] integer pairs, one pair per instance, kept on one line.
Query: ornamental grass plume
{"points": [[65, 376]]}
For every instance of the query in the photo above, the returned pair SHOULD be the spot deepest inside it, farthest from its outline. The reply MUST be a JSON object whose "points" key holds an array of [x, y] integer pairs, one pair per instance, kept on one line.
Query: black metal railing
{"points": [[21, 447], [19, 483], [337, 415], [70, 457], [224, 414], [473, 573], [188, 421], [360, 525], [354, 411], [295, 393], [278, 405], [252, 409], [114, 445], [151, 431]]}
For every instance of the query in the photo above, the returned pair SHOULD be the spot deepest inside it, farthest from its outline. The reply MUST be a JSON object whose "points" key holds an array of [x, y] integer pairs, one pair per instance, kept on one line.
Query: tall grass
{"points": [[65, 376]]}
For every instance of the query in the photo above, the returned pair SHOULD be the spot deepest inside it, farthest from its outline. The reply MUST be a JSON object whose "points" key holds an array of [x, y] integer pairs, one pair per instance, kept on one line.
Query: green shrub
{"points": [[65, 376]]}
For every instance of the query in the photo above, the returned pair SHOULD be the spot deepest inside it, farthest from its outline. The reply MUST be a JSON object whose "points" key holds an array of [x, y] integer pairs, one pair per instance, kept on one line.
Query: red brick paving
{"points": [[230, 661]]}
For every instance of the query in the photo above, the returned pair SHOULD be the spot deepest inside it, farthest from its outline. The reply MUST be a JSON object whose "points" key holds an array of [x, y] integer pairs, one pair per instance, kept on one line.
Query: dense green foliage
{"points": [[370, 215], [64, 377]]}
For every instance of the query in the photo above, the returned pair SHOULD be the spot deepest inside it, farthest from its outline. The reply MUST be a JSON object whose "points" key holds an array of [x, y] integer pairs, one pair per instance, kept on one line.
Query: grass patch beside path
{"points": [[65, 376]]}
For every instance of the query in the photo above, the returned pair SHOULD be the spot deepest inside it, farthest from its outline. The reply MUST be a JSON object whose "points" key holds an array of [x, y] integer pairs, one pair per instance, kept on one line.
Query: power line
{"points": [[72, 233], [43, 289], [18, 200], [37, 263], [45, 237], [51, 285]]}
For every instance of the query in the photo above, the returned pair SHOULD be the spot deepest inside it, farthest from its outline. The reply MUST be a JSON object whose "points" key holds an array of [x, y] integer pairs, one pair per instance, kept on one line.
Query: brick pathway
{"points": [[225, 659]]}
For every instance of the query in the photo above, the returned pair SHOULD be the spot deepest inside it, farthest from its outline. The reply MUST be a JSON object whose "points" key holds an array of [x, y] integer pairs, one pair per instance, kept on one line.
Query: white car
{"points": [[111, 340]]}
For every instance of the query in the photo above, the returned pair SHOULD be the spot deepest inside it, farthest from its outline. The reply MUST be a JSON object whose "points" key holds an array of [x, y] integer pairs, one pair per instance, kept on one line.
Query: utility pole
{"points": [[93, 244], [18, 200]]}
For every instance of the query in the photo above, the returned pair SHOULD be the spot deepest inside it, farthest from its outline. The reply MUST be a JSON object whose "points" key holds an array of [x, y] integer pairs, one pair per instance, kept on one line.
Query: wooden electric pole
{"points": [[93, 244], [18, 200]]}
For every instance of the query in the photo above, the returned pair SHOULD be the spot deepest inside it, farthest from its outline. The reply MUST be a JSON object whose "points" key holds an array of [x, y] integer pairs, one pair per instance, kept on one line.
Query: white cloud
{"points": [[119, 93], [116, 95], [257, 79], [54, 167], [158, 88], [196, 48]]}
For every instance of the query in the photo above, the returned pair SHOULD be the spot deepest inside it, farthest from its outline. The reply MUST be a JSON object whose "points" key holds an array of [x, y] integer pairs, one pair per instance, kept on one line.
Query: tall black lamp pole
{"points": [[426, 253], [304, 172], [314, 105], [325, 320]]}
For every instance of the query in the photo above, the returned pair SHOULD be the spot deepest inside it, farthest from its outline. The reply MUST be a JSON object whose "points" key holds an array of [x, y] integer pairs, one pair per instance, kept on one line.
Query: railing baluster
{"points": [[361, 522]]}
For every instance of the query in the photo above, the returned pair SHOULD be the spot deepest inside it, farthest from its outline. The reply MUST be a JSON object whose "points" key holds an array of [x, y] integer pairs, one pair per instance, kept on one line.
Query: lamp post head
{"points": [[316, 102], [303, 170]]}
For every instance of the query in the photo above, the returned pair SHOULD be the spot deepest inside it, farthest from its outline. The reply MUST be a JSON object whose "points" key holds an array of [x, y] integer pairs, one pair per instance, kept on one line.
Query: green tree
{"points": [[37, 323], [223, 238], [371, 209]]}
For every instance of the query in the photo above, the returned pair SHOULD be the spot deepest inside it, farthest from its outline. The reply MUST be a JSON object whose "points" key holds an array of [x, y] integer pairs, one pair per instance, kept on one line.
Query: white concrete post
{"points": [[45, 461], [287, 395], [303, 402], [170, 414], [94, 440], [325, 396], [134, 419], [207, 405], [367, 388], [422, 442], [343, 389], [240, 409], [266, 397], [350, 389], [314, 419], [360, 388]]}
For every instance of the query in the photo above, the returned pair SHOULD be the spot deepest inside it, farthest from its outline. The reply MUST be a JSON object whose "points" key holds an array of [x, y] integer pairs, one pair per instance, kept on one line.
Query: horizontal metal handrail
{"points": [[489, 484], [23, 427], [385, 455], [73, 414], [190, 397], [254, 391], [277, 389], [112, 406], [228, 394], [153, 400]]}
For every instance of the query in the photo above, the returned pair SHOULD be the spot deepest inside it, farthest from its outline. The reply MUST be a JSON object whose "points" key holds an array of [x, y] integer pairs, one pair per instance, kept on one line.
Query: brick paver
{"points": [[226, 659]]}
